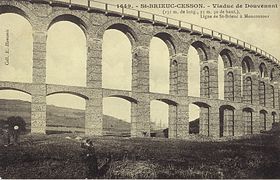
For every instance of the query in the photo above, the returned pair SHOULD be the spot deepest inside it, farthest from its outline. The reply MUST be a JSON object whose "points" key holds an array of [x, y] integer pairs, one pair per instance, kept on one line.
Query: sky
{"points": [[66, 56]]}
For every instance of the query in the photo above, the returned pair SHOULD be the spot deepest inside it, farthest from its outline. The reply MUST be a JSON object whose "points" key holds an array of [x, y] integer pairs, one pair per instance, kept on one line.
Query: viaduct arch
{"points": [[251, 101]]}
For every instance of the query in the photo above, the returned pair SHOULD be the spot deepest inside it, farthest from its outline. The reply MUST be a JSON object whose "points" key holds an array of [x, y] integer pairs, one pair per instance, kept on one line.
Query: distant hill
{"points": [[62, 119]]}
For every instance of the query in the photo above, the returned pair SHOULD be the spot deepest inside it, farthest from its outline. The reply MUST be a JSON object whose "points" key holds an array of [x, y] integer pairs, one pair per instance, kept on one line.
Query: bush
{"points": [[16, 121], [132, 170]]}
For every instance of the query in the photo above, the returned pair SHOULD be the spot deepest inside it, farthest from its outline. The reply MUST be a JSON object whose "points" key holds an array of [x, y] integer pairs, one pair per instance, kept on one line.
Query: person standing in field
{"points": [[90, 159], [13, 128], [15, 134], [7, 135]]}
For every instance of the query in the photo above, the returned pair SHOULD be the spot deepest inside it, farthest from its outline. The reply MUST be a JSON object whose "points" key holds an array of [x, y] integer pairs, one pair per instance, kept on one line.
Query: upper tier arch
{"points": [[229, 58], [69, 92], [263, 70], [169, 41], [17, 9], [22, 8], [128, 28], [71, 18], [15, 89], [247, 64], [202, 49]]}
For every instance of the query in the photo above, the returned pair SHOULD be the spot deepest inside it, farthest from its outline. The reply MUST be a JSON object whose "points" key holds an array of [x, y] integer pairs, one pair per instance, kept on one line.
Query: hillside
{"points": [[61, 119]]}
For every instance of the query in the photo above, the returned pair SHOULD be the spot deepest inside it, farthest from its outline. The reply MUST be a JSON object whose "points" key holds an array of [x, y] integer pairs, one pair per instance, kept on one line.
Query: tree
{"points": [[16, 121]]}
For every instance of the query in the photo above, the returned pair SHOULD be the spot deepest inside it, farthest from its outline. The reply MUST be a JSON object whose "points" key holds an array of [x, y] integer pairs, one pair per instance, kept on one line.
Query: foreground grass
{"points": [[54, 156]]}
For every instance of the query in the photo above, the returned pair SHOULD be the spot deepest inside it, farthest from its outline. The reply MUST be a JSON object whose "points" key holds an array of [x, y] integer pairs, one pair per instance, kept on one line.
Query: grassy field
{"points": [[55, 156]]}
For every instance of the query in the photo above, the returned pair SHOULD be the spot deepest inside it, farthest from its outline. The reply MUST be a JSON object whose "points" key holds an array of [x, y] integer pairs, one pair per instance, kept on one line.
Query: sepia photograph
{"points": [[150, 89]]}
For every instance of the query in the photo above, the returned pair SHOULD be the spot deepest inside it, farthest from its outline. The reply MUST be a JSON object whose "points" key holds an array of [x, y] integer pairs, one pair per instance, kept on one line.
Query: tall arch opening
{"points": [[274, 117], [247, 65], [65, 113], [229, 87], [198, 78], [116, 59], [204, 121], [194, 119], [193, 72], [262, 95], [226, 121], [272, 96], [263, 71], [205, 83], [248, 90], [263, 120], [16, 48], [160, 124], [272, 74], [116, 116], [221, 78], [226, 76], [200, 112], [66, 54], [161, 48], [15, 103], [247, 115], [247, 85]]}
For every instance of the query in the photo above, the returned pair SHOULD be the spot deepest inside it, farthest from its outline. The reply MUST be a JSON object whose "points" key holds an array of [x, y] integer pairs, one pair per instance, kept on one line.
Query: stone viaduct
{"points": [[251, 92]]}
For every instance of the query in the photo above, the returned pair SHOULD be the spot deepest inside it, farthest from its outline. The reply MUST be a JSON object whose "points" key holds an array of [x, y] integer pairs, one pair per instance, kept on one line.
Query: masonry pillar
{"points": [[232, 84], [173, 76], [225, 123], [228, 85], [228, 123], [262, 121], [209, 79], [134, 122], [213, 77], [256, 121], [172, 122], [38, 103], [173, 89], [278, 99], [247, 117], [204, 80], [237, 83], [180, 90], [239, 122], [204, 121], [269, 103], [182, 120], [179, 62], [268, 93], [276, 95], [276, 117], [214, 121], [140, 112], [255, 89], [269, 121], [255, 102], [275, 82], [93, 113]]}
